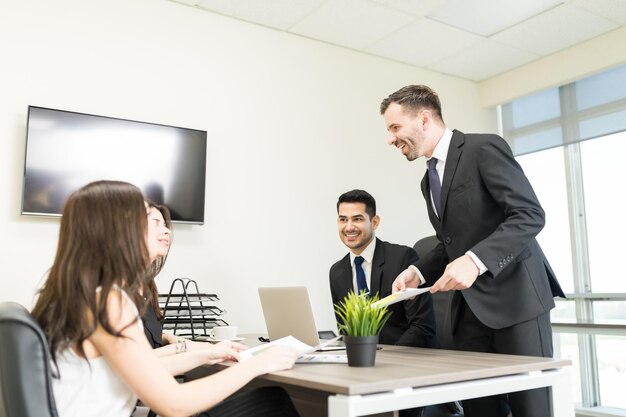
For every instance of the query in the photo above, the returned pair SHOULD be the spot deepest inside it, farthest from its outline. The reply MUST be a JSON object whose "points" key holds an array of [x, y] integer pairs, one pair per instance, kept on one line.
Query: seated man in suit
{"points": [[412, 322]]}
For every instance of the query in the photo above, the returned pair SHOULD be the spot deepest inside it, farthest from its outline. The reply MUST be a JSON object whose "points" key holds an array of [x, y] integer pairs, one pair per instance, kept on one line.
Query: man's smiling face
{"points": [[356, 229]]}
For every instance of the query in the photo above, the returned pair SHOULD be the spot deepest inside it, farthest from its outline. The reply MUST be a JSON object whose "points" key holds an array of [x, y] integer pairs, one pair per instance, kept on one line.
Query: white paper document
{"points": [[290, 342], [322, 358], [400, 296]]}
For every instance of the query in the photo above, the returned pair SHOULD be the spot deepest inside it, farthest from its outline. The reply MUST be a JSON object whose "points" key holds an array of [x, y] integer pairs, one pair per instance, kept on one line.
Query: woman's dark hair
{"points": [[102, 244]]}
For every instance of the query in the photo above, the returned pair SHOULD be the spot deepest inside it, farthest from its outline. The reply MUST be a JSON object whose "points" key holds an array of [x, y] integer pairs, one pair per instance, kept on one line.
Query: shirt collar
{"points": [[441, 150], [367, 254]]}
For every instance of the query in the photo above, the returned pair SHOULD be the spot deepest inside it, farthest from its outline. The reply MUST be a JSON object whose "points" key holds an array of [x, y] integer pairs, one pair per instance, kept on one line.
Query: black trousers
{"points": [[260, 402], [529, 338]]}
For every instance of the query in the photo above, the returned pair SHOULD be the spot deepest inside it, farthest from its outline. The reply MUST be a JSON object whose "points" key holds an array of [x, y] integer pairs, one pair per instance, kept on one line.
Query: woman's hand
{"points": [[276, 358], [170, 339], [223, 351]]}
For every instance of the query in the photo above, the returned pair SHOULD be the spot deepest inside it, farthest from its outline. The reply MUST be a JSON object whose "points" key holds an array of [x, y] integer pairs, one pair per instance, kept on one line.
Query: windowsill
{"points": [[600, 412], [614, 329]]}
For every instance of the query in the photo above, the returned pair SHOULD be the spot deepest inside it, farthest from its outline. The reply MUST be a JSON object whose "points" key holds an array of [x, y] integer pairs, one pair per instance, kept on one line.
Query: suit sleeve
{"points": [[419, 313], [433, 263], [523, 217], [333, 292]]}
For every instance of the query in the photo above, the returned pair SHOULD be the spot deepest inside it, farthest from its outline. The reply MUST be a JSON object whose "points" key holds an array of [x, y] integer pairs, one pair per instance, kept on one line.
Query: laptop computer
{"points": [[288, 312]]}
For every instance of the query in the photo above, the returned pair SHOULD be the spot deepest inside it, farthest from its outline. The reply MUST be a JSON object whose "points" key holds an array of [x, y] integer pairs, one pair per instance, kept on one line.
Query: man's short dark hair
{"points": [[414, 98], [359, 196]]}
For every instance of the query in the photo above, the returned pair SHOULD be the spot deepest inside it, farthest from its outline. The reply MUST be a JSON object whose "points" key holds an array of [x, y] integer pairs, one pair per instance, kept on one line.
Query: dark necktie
{"points": [[361, 284], [435, 184]]}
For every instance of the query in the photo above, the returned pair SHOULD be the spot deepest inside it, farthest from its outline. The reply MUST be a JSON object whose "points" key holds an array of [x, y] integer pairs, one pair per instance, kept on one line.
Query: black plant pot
{"points": [[361, 350]]}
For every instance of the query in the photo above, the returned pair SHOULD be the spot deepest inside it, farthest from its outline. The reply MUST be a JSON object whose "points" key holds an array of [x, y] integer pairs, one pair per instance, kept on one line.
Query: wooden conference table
{"points": [[406, 377]]}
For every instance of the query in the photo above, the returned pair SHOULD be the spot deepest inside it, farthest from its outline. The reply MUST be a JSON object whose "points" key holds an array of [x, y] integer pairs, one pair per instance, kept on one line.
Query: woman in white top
{"points": [[88, 311]]}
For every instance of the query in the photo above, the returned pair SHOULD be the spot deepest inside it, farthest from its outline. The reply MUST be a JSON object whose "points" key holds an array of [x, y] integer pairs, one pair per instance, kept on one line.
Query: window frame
{"points": [[585, 327]]}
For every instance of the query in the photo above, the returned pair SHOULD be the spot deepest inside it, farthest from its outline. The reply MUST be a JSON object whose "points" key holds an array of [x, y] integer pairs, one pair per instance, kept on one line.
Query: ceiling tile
{"points": [[442, 35], [416, 8], [555, 30], [351, 23], [483, 60], [614, 10], [280, 14], [424, 42], [489, 16]]}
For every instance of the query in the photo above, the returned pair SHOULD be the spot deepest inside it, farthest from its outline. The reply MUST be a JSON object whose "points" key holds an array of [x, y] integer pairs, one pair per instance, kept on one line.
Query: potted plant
{"points": [[361, 322]]}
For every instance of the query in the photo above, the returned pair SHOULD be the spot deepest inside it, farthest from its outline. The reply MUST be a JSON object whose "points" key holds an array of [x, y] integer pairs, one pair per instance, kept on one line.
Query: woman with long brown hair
{"points": [[160, 231], [89, 309]]}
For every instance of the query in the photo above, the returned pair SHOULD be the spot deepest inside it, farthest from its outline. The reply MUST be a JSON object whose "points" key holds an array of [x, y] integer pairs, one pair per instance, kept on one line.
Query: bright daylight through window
{"points": [[571, 142]]}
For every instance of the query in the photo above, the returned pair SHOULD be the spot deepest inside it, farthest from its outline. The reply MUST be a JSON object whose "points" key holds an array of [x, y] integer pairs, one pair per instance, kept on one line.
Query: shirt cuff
{"points": [[419, 274], [482, 268]]}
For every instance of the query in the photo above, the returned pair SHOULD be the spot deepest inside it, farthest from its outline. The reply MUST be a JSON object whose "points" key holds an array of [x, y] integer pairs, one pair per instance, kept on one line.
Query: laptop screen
{"points": [[288, 311]]}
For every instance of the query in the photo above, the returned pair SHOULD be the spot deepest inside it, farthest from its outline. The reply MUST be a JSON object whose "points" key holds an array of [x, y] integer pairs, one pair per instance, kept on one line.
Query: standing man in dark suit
{"points": [[486, 217], [412, 322]]}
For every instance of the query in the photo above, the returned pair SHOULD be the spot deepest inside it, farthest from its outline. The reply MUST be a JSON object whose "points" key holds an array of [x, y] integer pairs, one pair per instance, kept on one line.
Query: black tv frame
{"points": [[182, 150]]}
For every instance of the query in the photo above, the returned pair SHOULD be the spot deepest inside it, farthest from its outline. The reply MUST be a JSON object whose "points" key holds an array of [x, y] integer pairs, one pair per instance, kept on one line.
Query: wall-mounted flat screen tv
{"points": [[66, 150]]}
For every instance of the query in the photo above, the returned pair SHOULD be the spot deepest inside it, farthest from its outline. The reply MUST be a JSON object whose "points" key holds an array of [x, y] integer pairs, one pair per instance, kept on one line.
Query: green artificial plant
{"points": [[359, 316]]}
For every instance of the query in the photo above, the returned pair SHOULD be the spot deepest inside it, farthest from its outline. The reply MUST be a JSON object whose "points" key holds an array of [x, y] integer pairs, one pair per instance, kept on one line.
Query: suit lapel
{"points": [[345, 277], [377, 263], [452, 161]]}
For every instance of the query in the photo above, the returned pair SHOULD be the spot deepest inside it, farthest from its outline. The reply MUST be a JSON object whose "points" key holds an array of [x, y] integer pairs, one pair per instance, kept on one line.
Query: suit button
{"points": [[448, 240], [500, 264]]}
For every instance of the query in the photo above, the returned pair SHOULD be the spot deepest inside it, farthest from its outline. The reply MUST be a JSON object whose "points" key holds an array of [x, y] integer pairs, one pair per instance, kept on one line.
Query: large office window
{"points": [[571, 142]]}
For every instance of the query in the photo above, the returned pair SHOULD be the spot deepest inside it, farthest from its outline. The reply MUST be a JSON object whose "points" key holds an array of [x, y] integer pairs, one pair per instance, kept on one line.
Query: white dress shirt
{"points": [[441, 152]]}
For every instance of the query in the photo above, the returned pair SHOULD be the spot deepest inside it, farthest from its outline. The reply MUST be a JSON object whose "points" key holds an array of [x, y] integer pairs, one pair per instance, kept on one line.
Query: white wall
{"points": [[291, 122]]}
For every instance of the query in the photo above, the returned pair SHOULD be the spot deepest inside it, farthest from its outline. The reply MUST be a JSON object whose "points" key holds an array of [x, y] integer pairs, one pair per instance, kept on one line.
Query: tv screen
{"points": [[66, 150]]}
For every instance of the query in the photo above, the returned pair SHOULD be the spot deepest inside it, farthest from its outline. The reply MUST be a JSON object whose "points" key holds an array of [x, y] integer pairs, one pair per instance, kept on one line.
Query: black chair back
{"points": [[425, 245], [25, 369], [441, 300]]}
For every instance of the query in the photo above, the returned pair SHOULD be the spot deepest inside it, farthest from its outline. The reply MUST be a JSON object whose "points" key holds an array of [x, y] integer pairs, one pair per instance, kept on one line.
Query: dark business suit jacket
{"points": [[412, 322], [490, 208]]}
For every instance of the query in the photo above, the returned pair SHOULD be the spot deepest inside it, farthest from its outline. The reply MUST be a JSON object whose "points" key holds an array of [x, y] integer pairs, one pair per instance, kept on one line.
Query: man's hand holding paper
{"points": [[401, 296], [407, 278]]}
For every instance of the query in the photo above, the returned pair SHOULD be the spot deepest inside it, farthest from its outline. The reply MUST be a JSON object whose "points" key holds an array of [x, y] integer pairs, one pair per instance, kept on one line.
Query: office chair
{"points": [[25, 370], [443, 330], [441, 300]]}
